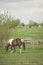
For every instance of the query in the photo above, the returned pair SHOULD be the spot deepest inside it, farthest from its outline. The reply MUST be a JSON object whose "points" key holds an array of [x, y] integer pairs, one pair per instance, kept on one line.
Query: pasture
{"points": [[26, 33], [33, 55]]}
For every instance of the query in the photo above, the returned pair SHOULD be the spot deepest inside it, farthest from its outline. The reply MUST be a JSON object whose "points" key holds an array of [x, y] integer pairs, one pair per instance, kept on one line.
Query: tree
{"points": [[22, 24], [12, 23], [33, 23], [3, 28], [3, 31], [41, 24]]}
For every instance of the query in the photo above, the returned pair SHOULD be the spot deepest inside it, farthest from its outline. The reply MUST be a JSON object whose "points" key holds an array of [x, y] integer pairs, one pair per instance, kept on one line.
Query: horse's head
{"points": [[7, 47]]}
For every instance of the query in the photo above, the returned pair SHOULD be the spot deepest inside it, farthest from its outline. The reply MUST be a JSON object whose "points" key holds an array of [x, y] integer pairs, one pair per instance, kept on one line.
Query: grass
{"points": [[25, 32], [31, 56]]}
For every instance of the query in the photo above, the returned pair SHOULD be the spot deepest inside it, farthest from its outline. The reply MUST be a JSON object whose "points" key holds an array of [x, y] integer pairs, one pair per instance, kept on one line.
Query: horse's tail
{"points": [[23, 45]]}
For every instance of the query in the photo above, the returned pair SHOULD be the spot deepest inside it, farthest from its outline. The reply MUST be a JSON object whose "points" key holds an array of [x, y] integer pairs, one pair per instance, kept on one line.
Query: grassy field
{"points": [[33, 55], [26, 32]]}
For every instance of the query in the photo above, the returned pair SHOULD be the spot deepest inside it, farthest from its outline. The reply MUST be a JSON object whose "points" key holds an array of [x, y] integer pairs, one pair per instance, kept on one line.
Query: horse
{"points": [[15, 42]]}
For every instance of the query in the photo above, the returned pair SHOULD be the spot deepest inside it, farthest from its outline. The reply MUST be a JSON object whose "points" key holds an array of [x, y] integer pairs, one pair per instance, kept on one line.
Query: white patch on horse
{"points": [[22, 40], [10, 41]]}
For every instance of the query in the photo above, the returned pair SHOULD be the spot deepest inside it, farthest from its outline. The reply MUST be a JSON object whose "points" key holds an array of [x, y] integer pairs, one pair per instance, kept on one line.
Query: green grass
{"points": [[26, 32], [33, 55]]}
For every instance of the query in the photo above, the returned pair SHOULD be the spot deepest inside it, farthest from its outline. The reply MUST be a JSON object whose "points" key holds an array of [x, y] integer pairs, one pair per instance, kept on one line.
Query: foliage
{"points": [[8, 20], [41, 24], [3, 33], [22, 24]]}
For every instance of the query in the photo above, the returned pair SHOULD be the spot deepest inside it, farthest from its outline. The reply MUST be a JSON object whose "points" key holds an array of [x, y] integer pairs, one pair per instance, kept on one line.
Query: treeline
{"points": [[34, 23]]}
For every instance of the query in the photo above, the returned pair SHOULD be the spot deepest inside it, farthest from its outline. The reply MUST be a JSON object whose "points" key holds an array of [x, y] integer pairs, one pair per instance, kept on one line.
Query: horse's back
{"points": [[10, 41], [17, 42]]}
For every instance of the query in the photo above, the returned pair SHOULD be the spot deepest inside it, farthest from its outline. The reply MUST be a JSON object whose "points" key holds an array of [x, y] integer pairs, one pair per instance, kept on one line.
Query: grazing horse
{"points": [[15, 42]]}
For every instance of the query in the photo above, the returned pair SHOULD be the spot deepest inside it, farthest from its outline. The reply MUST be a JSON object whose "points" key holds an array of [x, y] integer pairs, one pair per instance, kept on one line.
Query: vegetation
{"points": [[32, 23], [6, 23], [27, 33], [33, 55]]}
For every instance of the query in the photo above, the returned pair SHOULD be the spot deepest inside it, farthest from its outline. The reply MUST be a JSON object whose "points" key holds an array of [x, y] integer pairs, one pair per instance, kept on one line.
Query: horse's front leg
{"points": [[20, 49], [11, 47], [14, 48]]}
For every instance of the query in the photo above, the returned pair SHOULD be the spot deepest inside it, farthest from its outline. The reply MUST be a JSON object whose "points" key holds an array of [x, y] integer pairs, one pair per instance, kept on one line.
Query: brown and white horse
{"points": [[15, 42]]}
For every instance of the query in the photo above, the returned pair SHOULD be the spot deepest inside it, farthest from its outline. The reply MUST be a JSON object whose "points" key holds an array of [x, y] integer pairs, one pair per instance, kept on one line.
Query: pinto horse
{"points": [[15, 42]]}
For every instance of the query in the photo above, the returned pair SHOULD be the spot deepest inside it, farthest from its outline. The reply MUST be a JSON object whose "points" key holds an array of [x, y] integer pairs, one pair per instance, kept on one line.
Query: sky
{"points": [[25, 10]]}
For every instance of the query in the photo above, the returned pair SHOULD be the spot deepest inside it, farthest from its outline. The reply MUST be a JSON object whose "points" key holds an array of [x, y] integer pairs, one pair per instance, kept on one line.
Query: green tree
{"points": [[22, 24], [33, 23], [41, 24], [3, 28]]}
